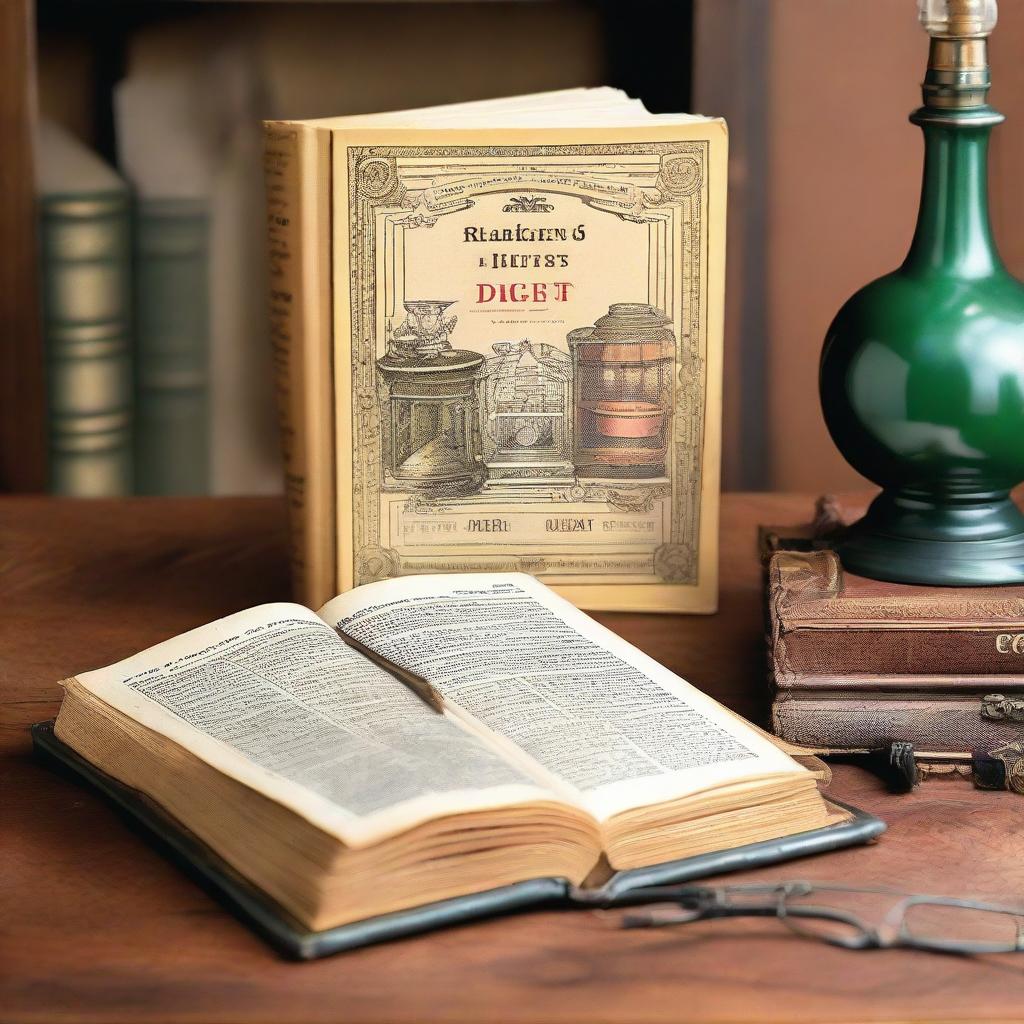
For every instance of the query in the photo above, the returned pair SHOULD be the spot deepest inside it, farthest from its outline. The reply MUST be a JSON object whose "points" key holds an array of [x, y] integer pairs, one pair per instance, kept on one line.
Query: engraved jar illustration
{"points": [[622, 368], [429, 406], [526, 406]]}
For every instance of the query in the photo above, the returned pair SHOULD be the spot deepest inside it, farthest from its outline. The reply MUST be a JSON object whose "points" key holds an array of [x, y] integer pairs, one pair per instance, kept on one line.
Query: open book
{"points": [[562, 751]]}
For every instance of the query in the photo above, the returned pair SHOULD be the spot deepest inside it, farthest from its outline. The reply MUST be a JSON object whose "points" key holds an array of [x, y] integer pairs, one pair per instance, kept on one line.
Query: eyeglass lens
{"points": [[941, 924], [876, 917]]}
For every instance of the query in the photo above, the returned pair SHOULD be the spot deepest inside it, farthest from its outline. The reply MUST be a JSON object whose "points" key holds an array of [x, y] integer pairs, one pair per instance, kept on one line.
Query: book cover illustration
{"points": [[529, 360]]}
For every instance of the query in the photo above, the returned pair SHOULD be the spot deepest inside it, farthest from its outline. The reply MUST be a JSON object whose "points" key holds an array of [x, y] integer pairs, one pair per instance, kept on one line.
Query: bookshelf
{"points": [[65, 57], [68, 55]]}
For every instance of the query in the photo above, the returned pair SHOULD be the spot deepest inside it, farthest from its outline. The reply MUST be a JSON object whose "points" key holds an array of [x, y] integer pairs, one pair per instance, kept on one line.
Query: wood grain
{"points": [[94, 926]]}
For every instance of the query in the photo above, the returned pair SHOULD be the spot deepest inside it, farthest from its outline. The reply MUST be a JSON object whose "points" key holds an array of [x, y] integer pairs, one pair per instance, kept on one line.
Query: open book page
{"points": [[274, 699], [591, 709]]}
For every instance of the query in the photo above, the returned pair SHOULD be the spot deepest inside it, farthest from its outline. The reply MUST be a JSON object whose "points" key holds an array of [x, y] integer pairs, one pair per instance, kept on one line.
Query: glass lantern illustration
{"points": [[526, 406], [431, 441], [623, 371]]}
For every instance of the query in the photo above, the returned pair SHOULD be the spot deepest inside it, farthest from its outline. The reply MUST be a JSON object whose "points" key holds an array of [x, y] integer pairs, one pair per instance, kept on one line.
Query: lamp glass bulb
{"points": [[956, 18]]}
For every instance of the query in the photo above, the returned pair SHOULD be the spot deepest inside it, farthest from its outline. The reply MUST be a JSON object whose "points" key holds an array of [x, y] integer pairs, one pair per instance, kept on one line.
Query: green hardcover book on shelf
{"points": [[84, 222], [172, 345]]}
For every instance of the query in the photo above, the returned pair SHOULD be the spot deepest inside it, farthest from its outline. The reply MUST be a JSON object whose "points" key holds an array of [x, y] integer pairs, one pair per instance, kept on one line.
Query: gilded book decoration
{"points": [[529, 354]]}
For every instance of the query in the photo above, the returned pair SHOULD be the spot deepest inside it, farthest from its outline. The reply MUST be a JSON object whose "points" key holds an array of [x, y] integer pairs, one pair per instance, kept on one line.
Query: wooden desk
{"points": [[94, 926]]}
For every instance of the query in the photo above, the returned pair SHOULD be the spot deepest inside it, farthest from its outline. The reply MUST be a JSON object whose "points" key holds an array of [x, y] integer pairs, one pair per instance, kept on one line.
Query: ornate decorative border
{"points": [[682, 182]]}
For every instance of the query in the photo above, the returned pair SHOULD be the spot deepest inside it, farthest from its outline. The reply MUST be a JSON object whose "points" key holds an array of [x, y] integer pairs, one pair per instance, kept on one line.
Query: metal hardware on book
{"points": [[1001, 768], [903, 768], [896, 764], [904, 765], [999, 708]]}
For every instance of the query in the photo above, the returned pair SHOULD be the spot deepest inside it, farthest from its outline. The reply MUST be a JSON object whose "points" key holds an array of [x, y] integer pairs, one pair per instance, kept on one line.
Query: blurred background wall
{"points": [[824, 183], [171, 95], [824, 175]]}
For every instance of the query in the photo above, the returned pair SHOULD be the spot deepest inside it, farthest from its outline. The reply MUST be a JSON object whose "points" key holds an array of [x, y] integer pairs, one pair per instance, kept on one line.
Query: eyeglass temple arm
{"points": [[697, 894], [696, 903]]}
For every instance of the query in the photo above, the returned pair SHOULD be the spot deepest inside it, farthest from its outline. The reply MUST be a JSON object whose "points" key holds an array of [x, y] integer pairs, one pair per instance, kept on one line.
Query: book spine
{"points": [[297, 174], [172, 345], [930, 720], [946, 649], [86, 292]]}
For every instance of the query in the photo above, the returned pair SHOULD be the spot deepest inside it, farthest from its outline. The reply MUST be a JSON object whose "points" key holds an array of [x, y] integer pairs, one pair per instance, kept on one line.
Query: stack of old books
{"points": [[859, 664]]}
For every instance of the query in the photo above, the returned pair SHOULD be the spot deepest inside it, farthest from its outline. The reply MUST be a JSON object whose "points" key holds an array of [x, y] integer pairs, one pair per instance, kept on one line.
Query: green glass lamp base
{"points": [[910, 540]]}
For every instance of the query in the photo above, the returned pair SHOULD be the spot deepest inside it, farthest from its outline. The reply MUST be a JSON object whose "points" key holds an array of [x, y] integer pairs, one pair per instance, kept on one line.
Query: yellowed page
{"points": [[568, 104], [272, 698], [583, 704]]}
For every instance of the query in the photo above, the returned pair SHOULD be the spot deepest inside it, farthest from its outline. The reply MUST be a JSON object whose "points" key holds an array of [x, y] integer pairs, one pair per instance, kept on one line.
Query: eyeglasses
{"points": [[846, 916]]}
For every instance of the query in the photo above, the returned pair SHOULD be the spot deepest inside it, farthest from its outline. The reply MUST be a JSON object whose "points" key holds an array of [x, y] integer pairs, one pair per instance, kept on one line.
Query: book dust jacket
{"points": [[534, 338]]}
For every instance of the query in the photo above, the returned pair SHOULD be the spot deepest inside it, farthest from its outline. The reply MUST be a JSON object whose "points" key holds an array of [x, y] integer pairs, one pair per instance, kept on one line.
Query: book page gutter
{"points": [[274, 699], [591, 710]]}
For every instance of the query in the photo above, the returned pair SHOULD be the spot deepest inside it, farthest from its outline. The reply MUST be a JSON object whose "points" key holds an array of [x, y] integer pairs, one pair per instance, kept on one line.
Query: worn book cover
{"points": [[857, 663], [524, 344]]}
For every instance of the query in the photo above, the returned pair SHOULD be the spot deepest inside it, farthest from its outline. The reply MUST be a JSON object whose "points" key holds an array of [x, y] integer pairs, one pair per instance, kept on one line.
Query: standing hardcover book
{"points": [[331, 805], [85, 232], [498, 333], [189, 140], [172, 270]]}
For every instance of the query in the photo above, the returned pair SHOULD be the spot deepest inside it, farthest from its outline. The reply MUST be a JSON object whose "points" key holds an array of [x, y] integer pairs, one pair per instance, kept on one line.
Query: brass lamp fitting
{"points": [[958, 75]]}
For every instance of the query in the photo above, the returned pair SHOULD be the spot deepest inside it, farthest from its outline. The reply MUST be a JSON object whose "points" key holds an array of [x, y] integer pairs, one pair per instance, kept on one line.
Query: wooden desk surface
{"points": [[95, 926]]}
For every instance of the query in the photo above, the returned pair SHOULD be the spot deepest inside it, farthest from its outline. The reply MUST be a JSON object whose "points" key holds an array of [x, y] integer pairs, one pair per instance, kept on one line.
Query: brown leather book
{"points": [[829, 621], [858, 663]]}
